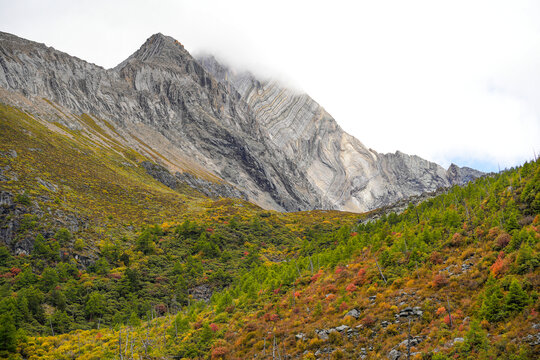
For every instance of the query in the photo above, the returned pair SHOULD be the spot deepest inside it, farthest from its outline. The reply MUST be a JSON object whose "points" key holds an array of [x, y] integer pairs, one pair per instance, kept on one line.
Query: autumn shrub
{"points": [[436, 258], [500, 266], [457, 240], [439, 281], [219, 352], [368, 321], [338, 355], [502, 240], [335, 338]]}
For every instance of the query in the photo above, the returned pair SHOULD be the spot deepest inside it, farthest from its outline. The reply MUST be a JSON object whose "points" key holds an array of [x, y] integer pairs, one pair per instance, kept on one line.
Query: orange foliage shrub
{"points": [[500, 265], [330, 288], [330, 297], [441, 310], [351, 287], [439, 281]]}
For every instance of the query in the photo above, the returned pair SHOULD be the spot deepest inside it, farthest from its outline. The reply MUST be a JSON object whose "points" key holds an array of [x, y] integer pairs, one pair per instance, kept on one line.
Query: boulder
{"points": [[353, 313]]}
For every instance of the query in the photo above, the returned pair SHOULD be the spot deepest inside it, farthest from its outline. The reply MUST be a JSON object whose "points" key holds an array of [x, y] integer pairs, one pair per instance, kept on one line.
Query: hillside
{"points": [[103, 261], [141, 217], [259, 140]]}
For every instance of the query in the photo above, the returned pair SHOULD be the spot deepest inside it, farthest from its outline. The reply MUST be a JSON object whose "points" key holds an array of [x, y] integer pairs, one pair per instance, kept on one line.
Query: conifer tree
{"points": [[516, 299], [8, 339], [492, 306]]}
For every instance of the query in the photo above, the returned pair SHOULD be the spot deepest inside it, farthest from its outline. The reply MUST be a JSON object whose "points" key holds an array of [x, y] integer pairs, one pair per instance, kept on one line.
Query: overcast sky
{"points": [[450, 81]]}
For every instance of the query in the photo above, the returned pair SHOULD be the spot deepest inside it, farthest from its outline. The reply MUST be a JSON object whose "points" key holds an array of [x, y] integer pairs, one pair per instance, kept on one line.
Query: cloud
{"points": [[449, 81]]}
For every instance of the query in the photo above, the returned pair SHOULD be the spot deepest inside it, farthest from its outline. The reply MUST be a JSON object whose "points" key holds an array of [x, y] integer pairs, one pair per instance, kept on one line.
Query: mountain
{"points": [[223, 133]]}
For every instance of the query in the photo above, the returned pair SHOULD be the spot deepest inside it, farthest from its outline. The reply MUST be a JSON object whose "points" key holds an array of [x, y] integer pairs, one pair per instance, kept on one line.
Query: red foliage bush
{"points": [[368, 321], [351, 288], [219, 352], [361, 278], [439, 281], [316, 276], [270, 317], [214, 327], [447, 319], [343, 306], [436, 258]]}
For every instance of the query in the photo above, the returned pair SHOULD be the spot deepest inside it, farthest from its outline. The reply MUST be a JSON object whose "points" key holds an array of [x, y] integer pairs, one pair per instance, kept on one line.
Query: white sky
{"points": [[451, 81]]}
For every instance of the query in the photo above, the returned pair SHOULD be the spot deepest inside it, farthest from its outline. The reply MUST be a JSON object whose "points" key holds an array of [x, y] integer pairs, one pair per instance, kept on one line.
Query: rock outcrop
{"points": [[256, 139], [346, 174]]}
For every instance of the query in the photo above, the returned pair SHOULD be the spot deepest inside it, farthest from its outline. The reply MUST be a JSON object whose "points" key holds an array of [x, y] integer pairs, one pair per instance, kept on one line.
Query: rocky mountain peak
{"points": [[159, 49], [278, 147]]}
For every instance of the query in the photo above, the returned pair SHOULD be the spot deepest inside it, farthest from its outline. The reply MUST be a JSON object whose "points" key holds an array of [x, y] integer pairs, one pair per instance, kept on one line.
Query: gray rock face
{"points": [[259, 140], [208, 188], [346, 174]]}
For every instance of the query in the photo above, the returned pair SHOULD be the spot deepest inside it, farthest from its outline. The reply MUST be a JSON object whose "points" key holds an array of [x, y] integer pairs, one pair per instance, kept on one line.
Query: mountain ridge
{"points": [[287, 154]]}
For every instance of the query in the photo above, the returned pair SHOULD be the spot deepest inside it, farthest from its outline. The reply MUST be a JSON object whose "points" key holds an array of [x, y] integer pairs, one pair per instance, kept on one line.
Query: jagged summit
{"points": [[161, 49]]}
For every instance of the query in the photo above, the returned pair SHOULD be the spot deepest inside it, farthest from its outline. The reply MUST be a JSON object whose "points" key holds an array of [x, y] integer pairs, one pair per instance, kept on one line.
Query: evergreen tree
{"points": [[492, 306], [95, 305], [8, 333], [476, 338], [526, 261], [516, 299], [63, 236]]}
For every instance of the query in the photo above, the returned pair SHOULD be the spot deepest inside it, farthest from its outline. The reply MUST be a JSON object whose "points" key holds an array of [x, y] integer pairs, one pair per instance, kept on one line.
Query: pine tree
{"points": [[8, 339], [492, 306], [516, 299], [476, 338]]}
